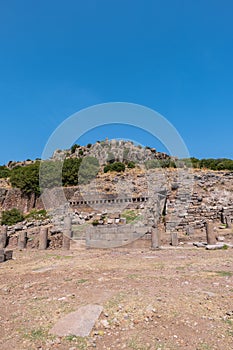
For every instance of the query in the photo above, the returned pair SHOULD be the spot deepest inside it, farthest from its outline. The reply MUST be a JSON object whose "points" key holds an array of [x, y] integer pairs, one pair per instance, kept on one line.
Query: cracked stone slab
{"points": [[78, 323]]}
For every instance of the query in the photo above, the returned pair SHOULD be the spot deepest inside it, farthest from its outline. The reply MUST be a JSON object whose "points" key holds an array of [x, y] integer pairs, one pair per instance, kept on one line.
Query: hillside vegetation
{"points": [[78, 168]]}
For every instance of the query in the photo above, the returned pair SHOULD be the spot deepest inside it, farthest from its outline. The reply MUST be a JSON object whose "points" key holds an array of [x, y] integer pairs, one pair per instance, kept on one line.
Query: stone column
{"points": [[22, 240], [228, 222], [155, 238], [43, 239], [66, 233], [174, 239], [210, 234], [2, 255], [3, 237]]}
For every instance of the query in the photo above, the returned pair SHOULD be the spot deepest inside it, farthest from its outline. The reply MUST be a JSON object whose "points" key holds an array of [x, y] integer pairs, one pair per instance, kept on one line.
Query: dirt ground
{"points": [[169, 299]]}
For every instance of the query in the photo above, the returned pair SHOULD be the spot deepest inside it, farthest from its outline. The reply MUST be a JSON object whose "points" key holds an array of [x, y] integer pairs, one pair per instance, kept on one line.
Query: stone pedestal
{"points": [[22, 240], [3, 237], [66, 233], [174, 239], [228, 222], [210, 234], [43, 239], [155, 238]]}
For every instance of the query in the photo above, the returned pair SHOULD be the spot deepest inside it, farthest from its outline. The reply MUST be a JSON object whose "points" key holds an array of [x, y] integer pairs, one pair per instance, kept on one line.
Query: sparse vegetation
{"points": [[130, 215], [37, 214]]}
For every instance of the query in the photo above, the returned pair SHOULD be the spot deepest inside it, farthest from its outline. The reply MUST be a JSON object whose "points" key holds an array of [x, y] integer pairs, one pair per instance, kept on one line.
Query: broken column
{"points": [[155, 238], [2, 255], [22, 240], [228, 222], [210, 234], [3, 237], [43, 238], [66, 233], [174, 239]]}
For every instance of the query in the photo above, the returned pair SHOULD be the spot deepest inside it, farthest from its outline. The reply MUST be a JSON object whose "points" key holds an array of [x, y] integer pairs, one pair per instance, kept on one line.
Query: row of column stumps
{"points": [[156, 239], [43, 236], [67, 234], [210, 235]]}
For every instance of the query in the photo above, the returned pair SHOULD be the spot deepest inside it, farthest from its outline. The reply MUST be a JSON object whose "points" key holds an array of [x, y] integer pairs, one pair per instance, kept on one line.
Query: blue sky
{"points": [[58, 57]]}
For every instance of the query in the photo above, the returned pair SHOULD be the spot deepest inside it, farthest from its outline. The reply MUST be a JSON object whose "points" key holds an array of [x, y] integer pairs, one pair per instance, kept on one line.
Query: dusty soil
{"points": [[170, 299]]}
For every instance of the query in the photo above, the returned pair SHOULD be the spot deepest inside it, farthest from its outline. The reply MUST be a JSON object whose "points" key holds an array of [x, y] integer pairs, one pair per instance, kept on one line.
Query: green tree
{"points": [[88, 169], [70, 171], [73, 148], [26, 178], [50, 174]]}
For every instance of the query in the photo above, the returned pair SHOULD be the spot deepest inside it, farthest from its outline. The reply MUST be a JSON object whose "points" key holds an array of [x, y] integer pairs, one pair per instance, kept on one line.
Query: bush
{"points": [[131, 165], [11, 217], [4, 172], [89, 145], [116, 166], [95, 222], [73, 148]]}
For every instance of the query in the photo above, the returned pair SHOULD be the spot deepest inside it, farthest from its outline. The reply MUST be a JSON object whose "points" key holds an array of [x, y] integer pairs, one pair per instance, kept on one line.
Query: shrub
{"points": [[131, 165], [73, 148], [107, 168], [4, 172], [95, 222], [116, 166], [11, 217], [80, 152], [89, 145]]}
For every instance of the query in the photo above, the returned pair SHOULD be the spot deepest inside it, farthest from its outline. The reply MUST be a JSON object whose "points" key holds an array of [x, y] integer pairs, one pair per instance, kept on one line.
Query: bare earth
{"points": [[170, 299]]}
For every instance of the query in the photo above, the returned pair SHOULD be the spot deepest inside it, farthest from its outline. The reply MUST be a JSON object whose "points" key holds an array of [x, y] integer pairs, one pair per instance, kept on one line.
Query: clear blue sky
{"points": [[57, 57]]}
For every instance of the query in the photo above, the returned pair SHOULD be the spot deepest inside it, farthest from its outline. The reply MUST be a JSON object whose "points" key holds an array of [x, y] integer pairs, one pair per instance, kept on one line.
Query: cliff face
{"points": [[14, 198]]}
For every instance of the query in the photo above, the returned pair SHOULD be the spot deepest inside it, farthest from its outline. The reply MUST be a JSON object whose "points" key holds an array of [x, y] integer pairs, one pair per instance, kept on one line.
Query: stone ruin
{"points": [[174, 208]]}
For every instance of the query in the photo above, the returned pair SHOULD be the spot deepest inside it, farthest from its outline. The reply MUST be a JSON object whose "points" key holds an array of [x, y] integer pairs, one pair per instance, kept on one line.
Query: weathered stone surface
{"points": [[3, 237], [43, 240], [78, 323]]}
